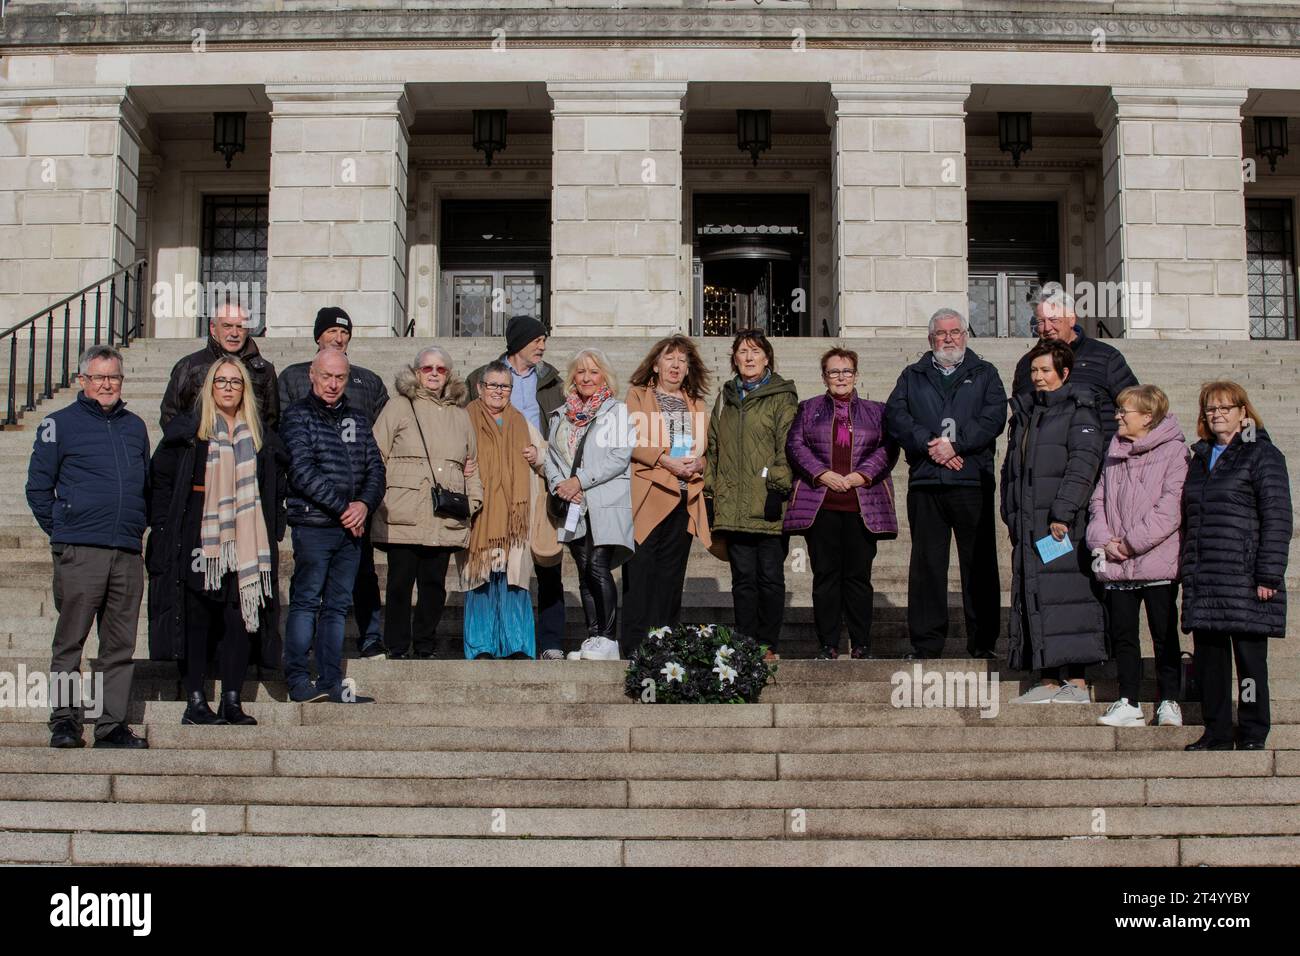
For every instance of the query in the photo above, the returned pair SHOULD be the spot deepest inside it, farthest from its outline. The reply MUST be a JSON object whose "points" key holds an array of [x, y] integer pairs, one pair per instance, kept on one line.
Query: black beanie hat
{"points": [[329, 317], [520, 330]]}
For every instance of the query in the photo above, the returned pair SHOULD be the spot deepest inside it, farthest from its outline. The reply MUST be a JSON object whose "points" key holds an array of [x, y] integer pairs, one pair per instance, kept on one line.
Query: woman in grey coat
{"points": [[589, 465]]}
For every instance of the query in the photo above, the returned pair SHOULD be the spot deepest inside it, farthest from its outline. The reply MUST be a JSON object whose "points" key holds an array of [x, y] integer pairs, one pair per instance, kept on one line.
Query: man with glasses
{"points": [[536, 390], [946, 413], [1096, 364], [227, 336], [336, 481], [86, 486], [367, 394]]}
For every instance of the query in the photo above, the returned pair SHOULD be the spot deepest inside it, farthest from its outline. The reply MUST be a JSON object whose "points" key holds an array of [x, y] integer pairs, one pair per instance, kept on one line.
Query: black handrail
{"points": [[123, 326]]}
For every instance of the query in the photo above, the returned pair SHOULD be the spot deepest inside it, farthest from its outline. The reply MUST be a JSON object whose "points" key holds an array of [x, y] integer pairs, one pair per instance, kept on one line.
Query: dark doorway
{"points": [[751, 263], [494, 256], [232, 258], [1270, 268], [1013, 250]]}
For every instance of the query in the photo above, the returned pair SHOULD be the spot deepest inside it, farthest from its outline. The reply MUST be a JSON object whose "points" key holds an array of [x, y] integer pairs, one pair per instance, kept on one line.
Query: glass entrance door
{"points": [[1000, 304], [479, 302]]}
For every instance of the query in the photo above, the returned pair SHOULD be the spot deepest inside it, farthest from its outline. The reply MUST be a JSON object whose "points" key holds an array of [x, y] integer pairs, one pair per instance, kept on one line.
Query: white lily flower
{"points": [[725, 652], [725, 673], [673, 671], [659, 632]]}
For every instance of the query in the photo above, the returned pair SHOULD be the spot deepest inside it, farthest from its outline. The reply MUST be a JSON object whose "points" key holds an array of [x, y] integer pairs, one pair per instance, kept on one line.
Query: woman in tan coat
{"points": [[512, 531], [423, 436], [666, 405]]}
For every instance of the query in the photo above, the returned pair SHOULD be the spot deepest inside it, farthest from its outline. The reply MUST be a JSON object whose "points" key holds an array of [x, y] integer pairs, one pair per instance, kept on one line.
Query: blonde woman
{"points": [[424, 437], [588, 466], [212, 555]]}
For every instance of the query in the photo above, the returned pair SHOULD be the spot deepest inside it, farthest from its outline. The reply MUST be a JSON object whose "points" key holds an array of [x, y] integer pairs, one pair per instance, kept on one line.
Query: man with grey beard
{"points": [[946, 413]]}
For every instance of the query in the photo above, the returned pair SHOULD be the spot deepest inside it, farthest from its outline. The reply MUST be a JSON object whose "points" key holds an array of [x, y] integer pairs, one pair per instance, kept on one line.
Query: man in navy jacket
{"points": [[86, 485], [946, 413], [336, 480]]}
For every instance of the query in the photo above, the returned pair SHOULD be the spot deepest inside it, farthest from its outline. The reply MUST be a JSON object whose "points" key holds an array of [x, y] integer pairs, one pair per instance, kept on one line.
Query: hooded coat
{"points": [[1053, 455], [406, 515], [1236, 538], [1139, 499], [168, 555], [746, 456]]}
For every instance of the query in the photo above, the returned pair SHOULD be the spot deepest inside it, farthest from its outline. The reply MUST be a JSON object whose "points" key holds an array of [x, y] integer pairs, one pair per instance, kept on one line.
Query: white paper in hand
{"points": [[574, 516]]}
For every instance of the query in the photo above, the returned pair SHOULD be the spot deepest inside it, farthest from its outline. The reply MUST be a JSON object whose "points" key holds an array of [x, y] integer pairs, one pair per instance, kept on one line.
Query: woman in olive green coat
{"points": [[748, 479]]}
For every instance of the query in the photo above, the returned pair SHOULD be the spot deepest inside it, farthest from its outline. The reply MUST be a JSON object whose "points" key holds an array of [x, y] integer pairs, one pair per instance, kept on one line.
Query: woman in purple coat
{"points": [[843, 500]]}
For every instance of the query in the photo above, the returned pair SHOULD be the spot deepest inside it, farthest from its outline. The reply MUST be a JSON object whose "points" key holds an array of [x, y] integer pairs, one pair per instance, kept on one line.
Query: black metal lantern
{"points": [[753, 131], [1270, 139], [1015, 134], [489, 132], [228, 134]]}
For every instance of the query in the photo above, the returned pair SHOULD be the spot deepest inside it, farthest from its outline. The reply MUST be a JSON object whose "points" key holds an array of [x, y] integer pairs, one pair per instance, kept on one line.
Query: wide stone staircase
{"points": [[531, 762]]}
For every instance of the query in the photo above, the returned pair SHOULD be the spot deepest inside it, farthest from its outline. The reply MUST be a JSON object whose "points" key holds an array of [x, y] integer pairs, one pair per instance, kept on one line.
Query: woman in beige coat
{"points": [[511, 532], [423, 436]]}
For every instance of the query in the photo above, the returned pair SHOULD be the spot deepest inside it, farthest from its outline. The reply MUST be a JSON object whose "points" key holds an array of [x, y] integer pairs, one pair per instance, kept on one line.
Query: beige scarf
{"points": [[503, 523], [233, 534]]}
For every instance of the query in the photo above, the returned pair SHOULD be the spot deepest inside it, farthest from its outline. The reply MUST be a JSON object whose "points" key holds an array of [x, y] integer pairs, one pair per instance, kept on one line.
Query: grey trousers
{"points": [[95, 584]]}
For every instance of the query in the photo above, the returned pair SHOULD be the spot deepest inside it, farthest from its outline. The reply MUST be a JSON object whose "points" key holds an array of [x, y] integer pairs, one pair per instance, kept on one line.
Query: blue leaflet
{"points": [[1049, 549]]}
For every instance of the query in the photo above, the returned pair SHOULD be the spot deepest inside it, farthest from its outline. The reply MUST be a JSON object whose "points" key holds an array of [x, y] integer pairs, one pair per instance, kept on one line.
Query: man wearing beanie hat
{"points": [[367, 394], [537, 391]]}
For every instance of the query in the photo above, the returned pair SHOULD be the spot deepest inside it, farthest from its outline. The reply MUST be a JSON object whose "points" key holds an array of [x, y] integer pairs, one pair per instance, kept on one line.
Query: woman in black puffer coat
{"points": [[1054, 453], [1236, 535]]}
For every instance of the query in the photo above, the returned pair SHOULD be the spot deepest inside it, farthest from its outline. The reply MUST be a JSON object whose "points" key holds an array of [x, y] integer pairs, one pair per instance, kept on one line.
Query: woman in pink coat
{"points": [[1134, 521]]}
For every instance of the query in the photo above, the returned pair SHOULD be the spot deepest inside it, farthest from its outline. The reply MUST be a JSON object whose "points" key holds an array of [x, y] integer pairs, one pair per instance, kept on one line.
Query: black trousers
{"points": [[1122, 610], [1215, 651], [841, 550], [365, 596], [654, 576], [209, 625], [758, 584], [414, 565], [937, 514], [550, 607], [596, 586]]}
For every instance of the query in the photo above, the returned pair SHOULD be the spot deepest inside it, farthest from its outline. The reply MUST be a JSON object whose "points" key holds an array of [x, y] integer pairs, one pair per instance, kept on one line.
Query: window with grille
{"points": [[233, 257], [1270, 268]]}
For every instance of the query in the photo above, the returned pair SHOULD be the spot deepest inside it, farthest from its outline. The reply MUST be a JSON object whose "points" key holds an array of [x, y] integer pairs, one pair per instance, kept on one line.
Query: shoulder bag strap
{"points": [[427, 460]]}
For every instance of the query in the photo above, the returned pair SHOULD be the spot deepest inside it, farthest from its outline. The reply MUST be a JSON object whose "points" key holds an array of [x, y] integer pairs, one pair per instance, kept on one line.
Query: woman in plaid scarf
{"points": [[217, 514]]}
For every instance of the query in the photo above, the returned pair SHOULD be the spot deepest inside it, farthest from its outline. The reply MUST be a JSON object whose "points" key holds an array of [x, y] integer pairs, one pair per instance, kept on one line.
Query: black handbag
{"points": [[557, 509], [446, 504]]}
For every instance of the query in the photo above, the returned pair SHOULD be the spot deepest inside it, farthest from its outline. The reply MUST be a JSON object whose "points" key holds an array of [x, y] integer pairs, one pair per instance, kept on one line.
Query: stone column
{"points": [[337, 233], [1175, 211], [898, 204], [617, 208], [69, 164]]}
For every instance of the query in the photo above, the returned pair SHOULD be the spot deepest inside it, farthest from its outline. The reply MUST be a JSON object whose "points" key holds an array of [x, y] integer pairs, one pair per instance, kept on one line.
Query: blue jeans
{"points": [[325, 562]]}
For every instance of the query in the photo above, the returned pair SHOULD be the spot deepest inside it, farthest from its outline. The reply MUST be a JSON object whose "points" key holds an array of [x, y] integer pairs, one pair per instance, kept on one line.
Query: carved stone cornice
{"points": [[657, 27]]}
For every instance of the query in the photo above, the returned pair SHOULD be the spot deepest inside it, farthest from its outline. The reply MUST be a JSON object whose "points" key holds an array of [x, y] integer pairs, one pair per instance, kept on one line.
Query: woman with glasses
{"points": [[1236, 537], [1054, 450], [217, 512], [843, 500], [666, 405], [427, 443], [511, 532], [748, 478], [1134, 535]]}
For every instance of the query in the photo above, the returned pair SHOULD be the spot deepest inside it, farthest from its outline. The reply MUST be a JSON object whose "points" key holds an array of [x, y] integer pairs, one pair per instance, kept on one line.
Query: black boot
{"points": [[198, 711], [232, 712]]}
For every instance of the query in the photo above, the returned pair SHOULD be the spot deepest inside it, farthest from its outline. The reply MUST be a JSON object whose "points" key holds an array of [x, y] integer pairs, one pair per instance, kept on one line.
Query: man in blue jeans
{"points": [[336, 479]]}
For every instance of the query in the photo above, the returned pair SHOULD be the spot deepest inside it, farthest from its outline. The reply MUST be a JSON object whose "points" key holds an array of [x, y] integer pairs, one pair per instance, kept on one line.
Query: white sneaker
{"points": [[1042, 694], [1169, 714], [1122, 714], [552, 654], [1072, 694], [599, 649]]}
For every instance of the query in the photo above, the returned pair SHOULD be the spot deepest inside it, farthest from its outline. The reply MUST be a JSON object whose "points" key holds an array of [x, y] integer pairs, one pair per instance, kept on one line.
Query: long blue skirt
{"points": [[498, 619]]}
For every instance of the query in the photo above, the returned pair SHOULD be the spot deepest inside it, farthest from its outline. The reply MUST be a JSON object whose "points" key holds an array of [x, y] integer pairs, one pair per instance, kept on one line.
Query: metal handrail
{"points": [[120, 333]]}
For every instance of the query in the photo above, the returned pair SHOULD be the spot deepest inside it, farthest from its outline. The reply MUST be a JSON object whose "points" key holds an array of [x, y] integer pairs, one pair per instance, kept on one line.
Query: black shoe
{"points": [[340, 697], [399, 655], [484, 656], [983, 655], [424, 655], [373, 649], [828, 653], [198, 712], [307, 694], [121, 738], [521, 656], [1209, 743], [913, 656], [860, 654], [66, 735], [1251, 745], [232, 712]]}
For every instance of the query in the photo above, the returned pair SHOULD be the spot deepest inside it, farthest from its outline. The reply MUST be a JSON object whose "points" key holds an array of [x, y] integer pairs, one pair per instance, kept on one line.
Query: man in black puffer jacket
{"points": [[336, 479], [1236, 539], [1096, 364]]}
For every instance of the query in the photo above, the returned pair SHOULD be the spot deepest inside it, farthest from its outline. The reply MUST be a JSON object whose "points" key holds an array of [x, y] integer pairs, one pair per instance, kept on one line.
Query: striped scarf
{"points": [[233, 534]]}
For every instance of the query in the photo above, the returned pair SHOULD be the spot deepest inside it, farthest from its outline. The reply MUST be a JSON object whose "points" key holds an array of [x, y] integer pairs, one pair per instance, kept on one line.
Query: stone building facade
{"points": [[621, 203]]}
